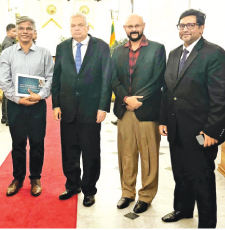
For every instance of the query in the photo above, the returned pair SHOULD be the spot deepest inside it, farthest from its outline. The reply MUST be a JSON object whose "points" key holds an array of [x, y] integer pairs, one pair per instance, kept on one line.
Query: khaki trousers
{"points": [[136, 137]]}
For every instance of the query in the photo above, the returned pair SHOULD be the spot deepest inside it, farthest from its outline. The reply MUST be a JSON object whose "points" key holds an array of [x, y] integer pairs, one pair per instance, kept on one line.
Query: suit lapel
{"points": [[190, 59], [69, 49], [142, 53], [176, 62], [90, 49], [126, 58]]}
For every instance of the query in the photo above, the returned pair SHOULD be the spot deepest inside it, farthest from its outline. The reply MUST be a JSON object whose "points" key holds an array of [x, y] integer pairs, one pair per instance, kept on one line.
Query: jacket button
{"points": [[175, 98], [77, 93]]}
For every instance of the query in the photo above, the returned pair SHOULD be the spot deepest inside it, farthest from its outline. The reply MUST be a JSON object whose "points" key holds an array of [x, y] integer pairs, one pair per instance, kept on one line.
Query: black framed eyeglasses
{"points": [[190, 26]]}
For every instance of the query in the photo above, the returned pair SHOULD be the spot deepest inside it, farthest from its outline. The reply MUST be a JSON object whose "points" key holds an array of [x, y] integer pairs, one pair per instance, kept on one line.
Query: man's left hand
{"points": [[100, 116], [208, 140], [129, 108], [34, 96]]}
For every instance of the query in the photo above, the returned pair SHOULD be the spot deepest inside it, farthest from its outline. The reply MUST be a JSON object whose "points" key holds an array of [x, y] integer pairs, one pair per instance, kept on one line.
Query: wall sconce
{"points": [[114, 14], [114, 9], [16, 6]]}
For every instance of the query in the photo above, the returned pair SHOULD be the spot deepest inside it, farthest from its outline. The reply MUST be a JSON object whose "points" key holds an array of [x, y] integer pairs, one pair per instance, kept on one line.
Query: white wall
{"points": [[4, 21], [214, 23], [160, 16]]}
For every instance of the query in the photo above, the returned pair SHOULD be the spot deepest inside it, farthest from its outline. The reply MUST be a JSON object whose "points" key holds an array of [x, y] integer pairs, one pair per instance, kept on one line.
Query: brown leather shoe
{"points": [[14, 187], [35, 187]]}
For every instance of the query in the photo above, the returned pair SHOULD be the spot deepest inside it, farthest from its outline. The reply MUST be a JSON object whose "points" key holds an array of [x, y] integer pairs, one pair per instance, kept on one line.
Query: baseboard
{"points": [[221, 170]]}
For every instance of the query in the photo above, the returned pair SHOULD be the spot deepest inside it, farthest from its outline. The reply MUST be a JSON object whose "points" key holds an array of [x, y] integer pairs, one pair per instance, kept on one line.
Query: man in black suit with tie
{"points": [[81, 95], [193, 103]]}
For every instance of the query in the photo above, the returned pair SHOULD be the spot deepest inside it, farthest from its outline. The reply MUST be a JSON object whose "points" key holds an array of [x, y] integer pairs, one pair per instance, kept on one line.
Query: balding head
{"points": [[134, 27], [134, 17]]}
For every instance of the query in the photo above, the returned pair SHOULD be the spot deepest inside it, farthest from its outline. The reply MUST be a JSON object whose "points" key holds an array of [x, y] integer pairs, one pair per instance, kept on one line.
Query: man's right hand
{"points": [[163, 130], [26, 101], [57, 114], [133, 102]]}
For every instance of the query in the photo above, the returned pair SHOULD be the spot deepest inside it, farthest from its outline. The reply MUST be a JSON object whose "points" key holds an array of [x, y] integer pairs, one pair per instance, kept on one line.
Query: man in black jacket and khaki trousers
{"points": [[193, 104], [137, 80], [81, 95]]}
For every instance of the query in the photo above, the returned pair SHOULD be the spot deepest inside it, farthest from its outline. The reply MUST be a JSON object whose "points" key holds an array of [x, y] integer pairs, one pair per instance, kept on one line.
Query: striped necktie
{"points": [[78, 57], [183, 59]]}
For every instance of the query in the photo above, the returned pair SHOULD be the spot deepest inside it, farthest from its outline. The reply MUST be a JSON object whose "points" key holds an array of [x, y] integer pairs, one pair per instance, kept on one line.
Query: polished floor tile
{"points": [[104, 213]]}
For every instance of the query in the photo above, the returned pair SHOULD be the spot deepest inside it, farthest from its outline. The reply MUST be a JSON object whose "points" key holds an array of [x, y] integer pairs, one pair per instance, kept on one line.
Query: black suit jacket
{"points": [[146, 80], [194, 100], [82, 95]]}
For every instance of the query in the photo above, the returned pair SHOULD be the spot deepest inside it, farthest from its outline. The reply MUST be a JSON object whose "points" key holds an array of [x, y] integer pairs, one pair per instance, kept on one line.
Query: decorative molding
{"points": [[51, 9], [92, 27], [84, 9], [51, 19]]}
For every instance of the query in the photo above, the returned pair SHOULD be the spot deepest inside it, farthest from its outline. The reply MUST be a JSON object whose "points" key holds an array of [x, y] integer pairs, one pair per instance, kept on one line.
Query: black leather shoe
{"points": [[175, 216], [124, 202], [69, 193], [3, 120], [114, 122], [88, 200], [7, 123], [141, 206]]}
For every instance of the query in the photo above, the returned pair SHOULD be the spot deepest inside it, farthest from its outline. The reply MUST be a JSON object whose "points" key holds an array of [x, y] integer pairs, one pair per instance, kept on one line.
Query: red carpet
{"points": [[45, 211]]}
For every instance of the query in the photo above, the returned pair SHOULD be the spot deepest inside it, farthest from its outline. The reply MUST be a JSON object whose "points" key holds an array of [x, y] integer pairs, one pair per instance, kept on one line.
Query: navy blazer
{"points": [[82, 94]]}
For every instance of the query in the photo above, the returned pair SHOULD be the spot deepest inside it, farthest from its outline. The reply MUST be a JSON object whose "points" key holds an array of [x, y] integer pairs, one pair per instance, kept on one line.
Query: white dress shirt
{"points": [[189, 48], [83, 48]]}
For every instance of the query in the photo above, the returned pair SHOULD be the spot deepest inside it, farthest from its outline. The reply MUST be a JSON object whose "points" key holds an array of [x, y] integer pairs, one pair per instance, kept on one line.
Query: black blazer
{"points": [[146, 80], [196, 100], [83, 94]]}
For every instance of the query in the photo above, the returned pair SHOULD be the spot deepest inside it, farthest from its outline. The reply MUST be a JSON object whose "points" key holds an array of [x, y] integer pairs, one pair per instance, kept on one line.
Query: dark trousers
{"points": [[4, 106], [193, 171], [27, 122], [77, 137]]}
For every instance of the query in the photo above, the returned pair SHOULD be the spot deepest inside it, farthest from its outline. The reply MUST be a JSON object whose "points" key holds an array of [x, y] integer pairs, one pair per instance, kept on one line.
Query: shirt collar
{"points": [[84, 42], [144, 42], [33, 47], [190, 47]]}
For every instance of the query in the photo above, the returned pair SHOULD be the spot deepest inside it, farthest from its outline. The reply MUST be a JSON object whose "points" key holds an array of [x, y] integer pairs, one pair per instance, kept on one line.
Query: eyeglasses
{"points": [[190, 26], [136, 27], [28, 29]]}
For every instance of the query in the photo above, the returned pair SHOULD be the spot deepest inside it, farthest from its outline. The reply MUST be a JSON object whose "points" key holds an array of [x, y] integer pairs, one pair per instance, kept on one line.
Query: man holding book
{"points": [[26, 115]]}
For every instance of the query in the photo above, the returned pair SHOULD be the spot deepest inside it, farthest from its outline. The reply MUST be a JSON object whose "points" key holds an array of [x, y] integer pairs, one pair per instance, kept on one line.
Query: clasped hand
{"points": [[31, 100], [133, 103]]}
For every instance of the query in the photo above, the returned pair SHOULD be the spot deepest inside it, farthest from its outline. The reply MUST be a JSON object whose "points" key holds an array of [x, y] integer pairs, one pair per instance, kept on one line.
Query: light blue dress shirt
{"points": [[37, 62]]}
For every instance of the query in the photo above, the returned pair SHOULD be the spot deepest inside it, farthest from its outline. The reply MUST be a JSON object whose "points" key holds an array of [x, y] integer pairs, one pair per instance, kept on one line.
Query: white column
{"points": [[161, 18]]}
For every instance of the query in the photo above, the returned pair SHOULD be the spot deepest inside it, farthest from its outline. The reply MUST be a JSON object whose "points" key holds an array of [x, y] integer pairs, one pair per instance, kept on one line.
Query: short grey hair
{"points": [[25, 19], [78, 14]]}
